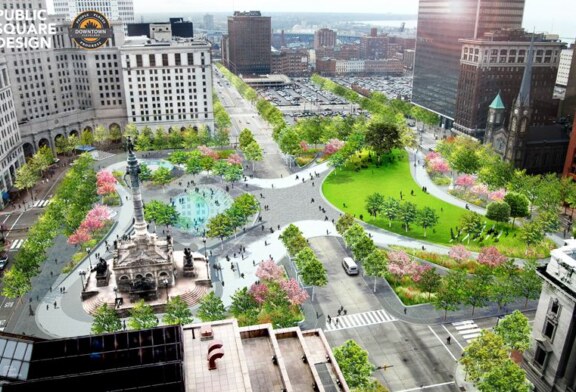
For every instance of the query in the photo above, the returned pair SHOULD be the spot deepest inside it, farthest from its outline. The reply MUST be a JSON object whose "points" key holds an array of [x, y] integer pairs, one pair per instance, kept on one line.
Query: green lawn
{"points": [[351, 187]]}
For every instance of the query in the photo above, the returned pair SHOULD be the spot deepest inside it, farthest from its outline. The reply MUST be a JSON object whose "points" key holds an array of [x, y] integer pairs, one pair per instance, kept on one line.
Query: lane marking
{"points": [[442, 343]]}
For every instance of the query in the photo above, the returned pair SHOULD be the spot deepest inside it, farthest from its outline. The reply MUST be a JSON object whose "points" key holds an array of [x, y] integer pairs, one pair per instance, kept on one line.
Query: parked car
{"points": [[3, 261]]}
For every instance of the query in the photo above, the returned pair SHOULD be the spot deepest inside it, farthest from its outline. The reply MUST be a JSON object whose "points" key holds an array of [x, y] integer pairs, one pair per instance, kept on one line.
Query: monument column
{"points": [[133, 170]]}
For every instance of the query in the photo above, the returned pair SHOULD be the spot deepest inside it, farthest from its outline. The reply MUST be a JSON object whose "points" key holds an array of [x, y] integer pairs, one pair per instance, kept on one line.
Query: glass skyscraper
{"points": [[437, 62]]}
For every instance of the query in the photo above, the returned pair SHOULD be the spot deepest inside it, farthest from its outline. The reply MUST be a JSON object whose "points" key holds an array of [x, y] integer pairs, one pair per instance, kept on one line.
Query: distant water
{"points": [[410, 24]]}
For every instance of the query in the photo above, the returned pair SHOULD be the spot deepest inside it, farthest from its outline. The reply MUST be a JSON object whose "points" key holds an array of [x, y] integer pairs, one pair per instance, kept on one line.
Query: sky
{"points": [[552, 16]]}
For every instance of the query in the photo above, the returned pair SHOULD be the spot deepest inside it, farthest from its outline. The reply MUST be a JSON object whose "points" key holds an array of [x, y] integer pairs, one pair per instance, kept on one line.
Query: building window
{"points": [[549, 329], [540, 357], [152, 60], [165, 59]]}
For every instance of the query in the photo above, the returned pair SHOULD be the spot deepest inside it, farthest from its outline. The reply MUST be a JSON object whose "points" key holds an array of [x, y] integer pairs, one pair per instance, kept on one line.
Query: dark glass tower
{"points": [[437, 60], [249, 43]]}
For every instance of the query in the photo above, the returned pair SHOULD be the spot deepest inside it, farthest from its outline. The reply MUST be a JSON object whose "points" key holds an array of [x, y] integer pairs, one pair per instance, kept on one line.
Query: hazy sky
{"points": [[543, 15]]}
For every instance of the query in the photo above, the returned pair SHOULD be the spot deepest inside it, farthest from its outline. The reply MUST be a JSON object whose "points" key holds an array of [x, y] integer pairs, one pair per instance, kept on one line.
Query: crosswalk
{"points": [[41, 203], [467, 329], [17, 244], [358, 320]]}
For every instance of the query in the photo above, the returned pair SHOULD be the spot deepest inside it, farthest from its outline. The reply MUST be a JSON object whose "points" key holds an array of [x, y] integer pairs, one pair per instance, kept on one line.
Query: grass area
{"points": [[351, 185]]}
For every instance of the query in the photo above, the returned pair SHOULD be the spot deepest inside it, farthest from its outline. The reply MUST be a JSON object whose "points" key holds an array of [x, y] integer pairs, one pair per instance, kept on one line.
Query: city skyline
{"points": [[550, 16]]}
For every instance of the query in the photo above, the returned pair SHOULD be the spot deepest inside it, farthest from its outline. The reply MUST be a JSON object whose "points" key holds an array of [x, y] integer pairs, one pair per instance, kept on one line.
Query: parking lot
{"points": [[392, 87]]}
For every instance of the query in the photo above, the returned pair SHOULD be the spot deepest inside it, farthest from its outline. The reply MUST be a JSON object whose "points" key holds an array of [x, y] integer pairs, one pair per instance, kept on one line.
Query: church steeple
{"points": [[495, 117], [523, 98]]}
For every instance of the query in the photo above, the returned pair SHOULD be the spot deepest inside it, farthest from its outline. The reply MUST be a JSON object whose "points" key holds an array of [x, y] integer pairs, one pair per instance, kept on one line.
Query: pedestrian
{"points": [[50, 288], [327, 232], [339, 312], [55, 261], [404, 310], [337, 321], [312, 183], [448, 340], [51, 273], [47, 307], [329, 319], [278, 227], [55, 304], [345, 312]]}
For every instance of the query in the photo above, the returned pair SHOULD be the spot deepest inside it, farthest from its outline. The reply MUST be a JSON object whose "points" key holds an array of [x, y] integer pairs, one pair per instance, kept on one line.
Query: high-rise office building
{"points": [[209, 22], [11, 154], [113, 9], [324, 39], [249, 43], [437, 60], [495, 64]]}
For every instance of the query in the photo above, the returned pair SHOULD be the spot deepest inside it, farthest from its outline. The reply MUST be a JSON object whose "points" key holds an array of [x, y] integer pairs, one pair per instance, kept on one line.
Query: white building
{"points": [[113, 9], [349, 66], [564, 67], [11, 154], [167, 84], [551, 361]]}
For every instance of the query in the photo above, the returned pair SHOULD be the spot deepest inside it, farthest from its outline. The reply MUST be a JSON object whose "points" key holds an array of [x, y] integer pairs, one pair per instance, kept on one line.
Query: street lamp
{"points": [[165, 281], [89, 261], [82, 275], [204, 241]]}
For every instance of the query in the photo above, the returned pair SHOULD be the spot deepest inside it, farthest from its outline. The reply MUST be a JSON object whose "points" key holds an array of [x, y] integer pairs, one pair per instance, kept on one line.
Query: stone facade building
{"points": [[551, 362]]}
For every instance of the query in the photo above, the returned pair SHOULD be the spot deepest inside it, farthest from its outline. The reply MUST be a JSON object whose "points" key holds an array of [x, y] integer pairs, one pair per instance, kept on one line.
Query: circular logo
{"points": [[90, 30]]}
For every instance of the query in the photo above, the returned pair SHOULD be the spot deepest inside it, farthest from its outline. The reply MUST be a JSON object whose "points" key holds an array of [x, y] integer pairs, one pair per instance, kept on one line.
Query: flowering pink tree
{"points": [[491, 257], [465, 181], [99, 212], [208, 152], [497, 195], [481, 190], [459, 253], [234, 159], [80, 236], [399, 263], [91, 224], [259, 292], [431, 156], [296, 295], [268, 270], [438, 165], [333, 145], [418, 271], [105, 182], [304, 146]]}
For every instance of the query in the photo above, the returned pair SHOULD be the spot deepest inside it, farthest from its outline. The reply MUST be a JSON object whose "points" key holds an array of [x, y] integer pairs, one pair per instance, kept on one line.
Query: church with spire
{"points": [[536, 147]]}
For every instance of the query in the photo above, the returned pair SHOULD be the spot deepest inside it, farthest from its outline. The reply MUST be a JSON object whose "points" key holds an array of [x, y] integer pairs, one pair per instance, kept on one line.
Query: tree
{"points": [[86, 138], [344, 223], [247, 204], [548, 193], [374, 203], [130, 130], [491, 257], [382, 137], [498, 211], [142, 316], [304, 257], [222, 137], [471, 223], [177, 312], [515, 331], [476, 292], [194, 163], [375, 265], [244, 307], [245, 138], [15, 282], [211, 308], [220, 226], [220, 167], [233, 173], [105, 320], [253, 152], [101, 134], [161, 176], [505, 377], [362, 247], [465, 160], [390, 209], [451, 291], [353, 361], [549, 221], [289, 142], [26, 178], [519, 205], [115, 134], [459, 253], [161, 213], [429, 281], [407, 213], [353, 234], [528, 284], [483, 354], [427, 217], [532, 233], [314, 274]]}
